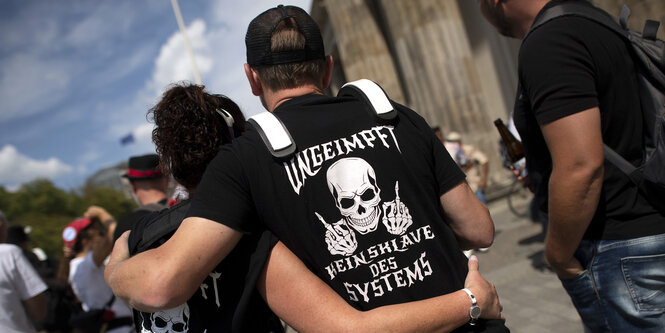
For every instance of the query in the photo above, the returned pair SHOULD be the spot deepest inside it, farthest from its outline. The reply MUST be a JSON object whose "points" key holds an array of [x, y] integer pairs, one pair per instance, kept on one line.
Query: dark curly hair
{"points": [[189, 131]]}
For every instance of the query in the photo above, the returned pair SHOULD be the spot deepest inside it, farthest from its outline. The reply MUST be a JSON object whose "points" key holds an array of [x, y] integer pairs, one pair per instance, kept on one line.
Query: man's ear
{"points": [[254, 81], [327, 75]]}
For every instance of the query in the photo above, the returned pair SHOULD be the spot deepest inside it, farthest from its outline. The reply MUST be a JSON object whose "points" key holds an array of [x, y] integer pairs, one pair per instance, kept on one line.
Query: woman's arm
{"points": [[307, 304]]}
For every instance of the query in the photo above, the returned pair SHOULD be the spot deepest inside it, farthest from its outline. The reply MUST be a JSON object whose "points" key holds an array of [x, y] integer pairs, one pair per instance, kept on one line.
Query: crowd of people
{"points": [[330, 214]]}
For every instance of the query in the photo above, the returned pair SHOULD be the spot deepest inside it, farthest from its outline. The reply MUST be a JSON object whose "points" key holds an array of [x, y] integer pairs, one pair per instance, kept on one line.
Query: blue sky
{"points": [[76, 76]]}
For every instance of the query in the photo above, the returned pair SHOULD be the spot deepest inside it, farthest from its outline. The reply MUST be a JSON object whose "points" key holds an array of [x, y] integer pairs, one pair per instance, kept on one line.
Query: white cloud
{"points": [[143, 133], [102, 22], [219, 50], [240, 13], [227, 40], [16, 168], [29, 85], [173, 63], [90, 30], [90, 154]]}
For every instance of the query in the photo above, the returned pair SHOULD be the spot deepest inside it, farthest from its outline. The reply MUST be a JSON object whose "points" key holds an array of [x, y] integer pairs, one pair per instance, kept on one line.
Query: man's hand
{"points": [[568, 269], [485, 292], [68, 252], [97, 212]]}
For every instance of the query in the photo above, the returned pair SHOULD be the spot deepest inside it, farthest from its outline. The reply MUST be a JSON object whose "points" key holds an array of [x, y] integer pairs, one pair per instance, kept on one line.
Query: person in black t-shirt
{"points": [[380, 212], [149, 186], [578, 91], [227, 300]]}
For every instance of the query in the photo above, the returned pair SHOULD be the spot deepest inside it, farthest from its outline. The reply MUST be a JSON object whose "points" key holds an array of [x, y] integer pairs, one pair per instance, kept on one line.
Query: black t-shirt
{"points": [[569, 65], [227, 300], [358, 202], [127, 222], [340, 182]]}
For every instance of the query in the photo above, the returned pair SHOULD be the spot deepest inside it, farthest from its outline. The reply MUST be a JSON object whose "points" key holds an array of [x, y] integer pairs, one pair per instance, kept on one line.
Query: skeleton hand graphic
{"points": [[396, 215], [340, 239]]}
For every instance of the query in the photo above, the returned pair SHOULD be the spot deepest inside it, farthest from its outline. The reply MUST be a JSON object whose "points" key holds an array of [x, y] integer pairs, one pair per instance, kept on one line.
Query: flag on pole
{"points": [[127, 139]]}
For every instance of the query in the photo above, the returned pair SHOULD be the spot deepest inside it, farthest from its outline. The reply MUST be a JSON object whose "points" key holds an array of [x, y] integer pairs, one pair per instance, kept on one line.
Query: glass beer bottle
{"points": [[513, 146]]}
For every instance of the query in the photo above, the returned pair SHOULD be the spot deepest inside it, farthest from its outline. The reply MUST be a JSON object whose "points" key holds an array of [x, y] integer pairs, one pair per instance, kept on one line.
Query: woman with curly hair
{"points": [[190, 127]]}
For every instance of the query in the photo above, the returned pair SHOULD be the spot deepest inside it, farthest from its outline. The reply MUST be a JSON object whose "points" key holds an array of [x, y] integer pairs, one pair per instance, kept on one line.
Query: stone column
{"points": [[439, 71], [361, 45], [641, 10], [438, 68]]}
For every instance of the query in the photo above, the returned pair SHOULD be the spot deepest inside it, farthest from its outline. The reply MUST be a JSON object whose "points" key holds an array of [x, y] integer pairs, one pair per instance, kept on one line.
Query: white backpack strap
{"points": [[372, 94], [274, 134]]}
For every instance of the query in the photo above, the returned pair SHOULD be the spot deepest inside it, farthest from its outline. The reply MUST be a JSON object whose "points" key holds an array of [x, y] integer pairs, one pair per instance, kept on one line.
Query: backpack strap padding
{"points": [[372, 94], [623, 16], [650, 30], [277, 138], [274, 134]]}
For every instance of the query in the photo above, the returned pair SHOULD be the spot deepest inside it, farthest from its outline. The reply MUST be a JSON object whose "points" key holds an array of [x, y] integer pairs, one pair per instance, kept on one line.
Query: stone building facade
{"points": [[439, 57]]}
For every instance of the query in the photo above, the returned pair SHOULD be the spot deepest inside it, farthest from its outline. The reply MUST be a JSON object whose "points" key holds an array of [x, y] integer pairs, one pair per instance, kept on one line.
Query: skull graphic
{"points": [[352, 182], [172, 320]]}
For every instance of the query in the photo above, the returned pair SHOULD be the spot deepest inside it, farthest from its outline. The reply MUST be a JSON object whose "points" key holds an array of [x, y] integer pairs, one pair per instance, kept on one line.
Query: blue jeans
{"points": [[622, 288]]}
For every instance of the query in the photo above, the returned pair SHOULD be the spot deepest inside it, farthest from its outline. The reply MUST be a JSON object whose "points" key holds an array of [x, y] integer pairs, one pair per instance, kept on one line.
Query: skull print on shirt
{"points": [[174, 320], [352, 183]]}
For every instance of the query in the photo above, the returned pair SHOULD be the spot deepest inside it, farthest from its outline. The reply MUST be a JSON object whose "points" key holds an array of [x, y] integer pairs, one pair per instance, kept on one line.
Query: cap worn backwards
{"points": [[260, 31]]}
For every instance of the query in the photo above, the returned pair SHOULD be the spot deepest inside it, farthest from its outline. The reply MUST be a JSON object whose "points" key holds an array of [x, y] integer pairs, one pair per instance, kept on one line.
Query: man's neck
{"points": [[529, 11], [274, 98], [150, 196]]}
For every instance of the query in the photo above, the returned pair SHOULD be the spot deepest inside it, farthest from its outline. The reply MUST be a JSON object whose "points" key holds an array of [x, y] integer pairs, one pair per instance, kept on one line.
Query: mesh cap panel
{"points": [[260, 30]]}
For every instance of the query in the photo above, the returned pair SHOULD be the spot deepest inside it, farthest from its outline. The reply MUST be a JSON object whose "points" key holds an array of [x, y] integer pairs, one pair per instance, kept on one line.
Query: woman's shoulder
{"points": [[156, 226]]}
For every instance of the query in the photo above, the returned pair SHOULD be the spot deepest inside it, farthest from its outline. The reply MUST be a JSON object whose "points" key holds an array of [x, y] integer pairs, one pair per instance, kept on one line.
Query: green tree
{"points": [[113, 201], [41, 196], [5, 199], [46, 231], [48, 209]]}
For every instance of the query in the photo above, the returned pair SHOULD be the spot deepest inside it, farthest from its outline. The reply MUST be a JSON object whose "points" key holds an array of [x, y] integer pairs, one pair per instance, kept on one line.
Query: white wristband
{"points": [[471, 295], [474, 310]]}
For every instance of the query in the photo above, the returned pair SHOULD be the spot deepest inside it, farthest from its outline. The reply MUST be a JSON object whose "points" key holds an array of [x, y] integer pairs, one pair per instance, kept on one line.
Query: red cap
{"points": [[71, 232]]}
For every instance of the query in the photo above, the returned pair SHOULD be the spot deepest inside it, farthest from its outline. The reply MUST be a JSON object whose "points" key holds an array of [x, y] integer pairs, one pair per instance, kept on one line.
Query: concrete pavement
{"points": [[532, 297]]}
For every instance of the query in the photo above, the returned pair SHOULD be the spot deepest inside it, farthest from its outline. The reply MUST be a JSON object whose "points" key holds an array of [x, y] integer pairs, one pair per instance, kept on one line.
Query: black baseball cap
{"points": [[260, 30]]}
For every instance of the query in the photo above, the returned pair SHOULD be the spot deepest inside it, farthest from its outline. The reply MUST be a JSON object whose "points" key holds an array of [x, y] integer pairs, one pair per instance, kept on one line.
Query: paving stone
{"points": [[532, 297]]}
